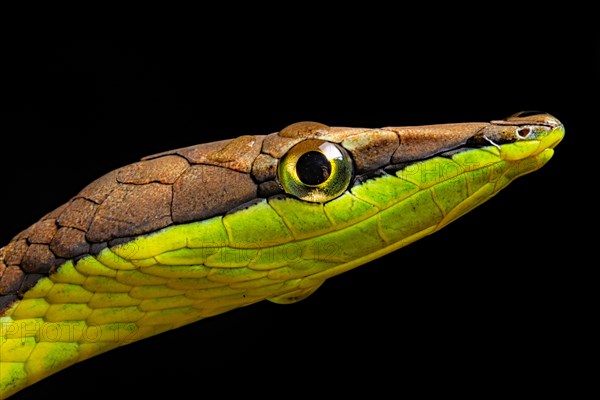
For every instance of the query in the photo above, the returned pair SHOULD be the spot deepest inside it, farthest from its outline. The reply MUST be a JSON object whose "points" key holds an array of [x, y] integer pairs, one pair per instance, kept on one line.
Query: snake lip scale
{"points": [[194, 232]]}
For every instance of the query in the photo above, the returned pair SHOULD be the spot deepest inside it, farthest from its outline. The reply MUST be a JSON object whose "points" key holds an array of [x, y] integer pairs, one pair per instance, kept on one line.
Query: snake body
{"points": [[195, 232]]}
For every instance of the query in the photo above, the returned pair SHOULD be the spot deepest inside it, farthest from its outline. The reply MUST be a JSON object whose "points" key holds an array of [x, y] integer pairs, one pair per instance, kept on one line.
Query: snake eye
{"points": [[315, 170]]}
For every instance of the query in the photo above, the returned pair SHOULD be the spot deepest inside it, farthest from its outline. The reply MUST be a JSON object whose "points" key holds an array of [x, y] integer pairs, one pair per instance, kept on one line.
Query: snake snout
{"points": [[534, 118]]}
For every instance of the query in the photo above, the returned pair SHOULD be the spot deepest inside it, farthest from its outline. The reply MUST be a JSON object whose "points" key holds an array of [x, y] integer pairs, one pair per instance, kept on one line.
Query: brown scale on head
{"points": [[192, 184]]}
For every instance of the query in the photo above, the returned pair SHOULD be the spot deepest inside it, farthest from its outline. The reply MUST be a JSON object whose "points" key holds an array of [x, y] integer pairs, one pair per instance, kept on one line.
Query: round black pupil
{"points": [[313, 168]]}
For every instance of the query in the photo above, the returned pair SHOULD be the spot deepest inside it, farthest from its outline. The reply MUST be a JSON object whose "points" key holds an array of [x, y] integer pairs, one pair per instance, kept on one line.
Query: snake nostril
{"points": [[523, 133]]}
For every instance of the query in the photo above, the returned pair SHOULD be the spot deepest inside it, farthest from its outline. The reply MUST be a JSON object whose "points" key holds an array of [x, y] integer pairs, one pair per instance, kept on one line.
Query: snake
{"points": [[194, 232]]}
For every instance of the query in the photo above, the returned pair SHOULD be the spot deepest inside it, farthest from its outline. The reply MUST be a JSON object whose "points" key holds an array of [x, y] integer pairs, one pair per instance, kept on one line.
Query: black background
{"points": [[493, 298]]}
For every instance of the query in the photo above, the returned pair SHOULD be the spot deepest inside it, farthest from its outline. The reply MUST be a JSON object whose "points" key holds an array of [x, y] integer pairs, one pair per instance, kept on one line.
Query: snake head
{"points": [[523, 126], [195, 232]]}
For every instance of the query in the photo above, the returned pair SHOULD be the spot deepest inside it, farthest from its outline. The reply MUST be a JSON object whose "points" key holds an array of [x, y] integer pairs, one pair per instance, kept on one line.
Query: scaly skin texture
{"points": [[192, 233]]}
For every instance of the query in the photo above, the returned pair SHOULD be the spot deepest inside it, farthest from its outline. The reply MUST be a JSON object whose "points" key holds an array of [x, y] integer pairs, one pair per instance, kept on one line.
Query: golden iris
{"points": [[315, 170]]}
